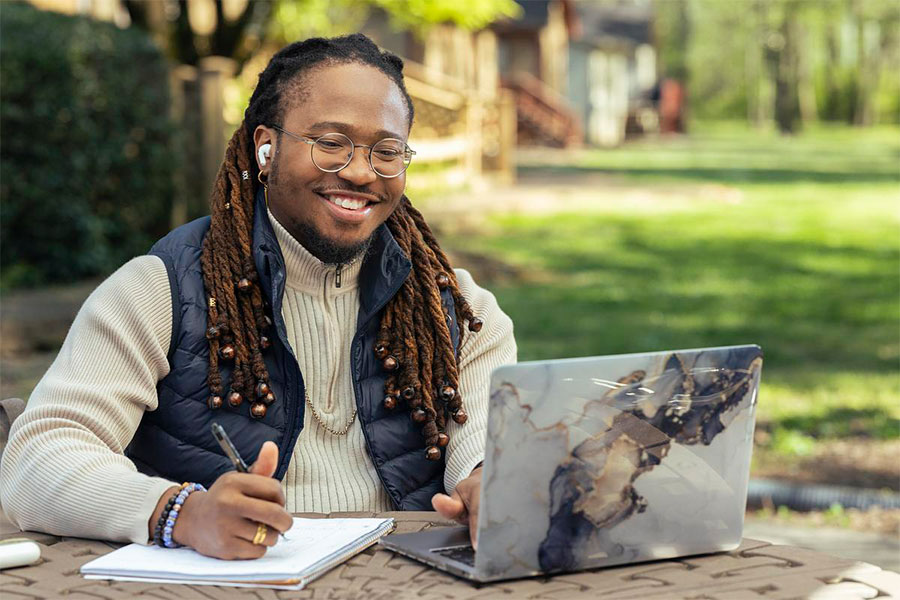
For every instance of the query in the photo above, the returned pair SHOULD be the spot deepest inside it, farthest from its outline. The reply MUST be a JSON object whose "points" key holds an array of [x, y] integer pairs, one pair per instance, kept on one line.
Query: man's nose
{"points": [[359, 171]]}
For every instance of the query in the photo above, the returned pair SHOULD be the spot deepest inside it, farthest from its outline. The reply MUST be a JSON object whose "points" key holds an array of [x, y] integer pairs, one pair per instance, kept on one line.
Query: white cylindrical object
{"points": [[19, 553]]}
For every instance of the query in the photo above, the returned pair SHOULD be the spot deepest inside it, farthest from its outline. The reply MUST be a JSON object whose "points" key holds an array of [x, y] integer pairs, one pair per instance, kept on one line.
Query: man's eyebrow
{"points": [[348, 129]]}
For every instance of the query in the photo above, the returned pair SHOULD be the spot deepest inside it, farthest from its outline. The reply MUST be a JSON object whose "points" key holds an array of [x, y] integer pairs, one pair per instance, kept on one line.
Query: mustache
{"points": [[359, 189]]}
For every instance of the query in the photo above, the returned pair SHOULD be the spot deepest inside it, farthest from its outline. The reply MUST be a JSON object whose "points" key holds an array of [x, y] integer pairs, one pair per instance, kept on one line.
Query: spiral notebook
{"points": [[309, 549]]}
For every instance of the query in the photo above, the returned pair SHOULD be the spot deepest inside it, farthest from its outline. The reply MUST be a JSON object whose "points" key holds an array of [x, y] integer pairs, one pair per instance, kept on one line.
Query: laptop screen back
{"points": [[609, 460]]}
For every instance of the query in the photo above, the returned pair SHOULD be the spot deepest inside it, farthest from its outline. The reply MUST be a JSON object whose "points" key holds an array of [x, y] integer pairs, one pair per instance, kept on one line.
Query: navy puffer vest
{"points": [[175, 441]]}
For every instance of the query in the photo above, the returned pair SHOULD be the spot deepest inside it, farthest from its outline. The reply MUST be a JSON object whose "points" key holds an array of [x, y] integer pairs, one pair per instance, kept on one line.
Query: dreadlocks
{"points": [[413, 341]]}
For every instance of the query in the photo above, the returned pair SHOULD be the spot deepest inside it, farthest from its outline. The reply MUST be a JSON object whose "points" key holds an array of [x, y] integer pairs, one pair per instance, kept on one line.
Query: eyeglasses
{"points": [[332, 152]]}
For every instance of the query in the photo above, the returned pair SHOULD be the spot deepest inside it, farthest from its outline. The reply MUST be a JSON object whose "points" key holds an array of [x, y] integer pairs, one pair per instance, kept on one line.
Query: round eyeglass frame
{"points": [[353, 146]]}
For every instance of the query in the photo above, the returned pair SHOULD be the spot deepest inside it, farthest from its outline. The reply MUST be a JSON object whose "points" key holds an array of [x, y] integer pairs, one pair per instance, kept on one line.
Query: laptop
{"points": [[601, 461]]}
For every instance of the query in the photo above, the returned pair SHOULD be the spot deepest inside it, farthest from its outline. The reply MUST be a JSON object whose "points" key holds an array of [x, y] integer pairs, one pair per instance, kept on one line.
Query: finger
{"points": [[473, 527], [267, 461], [241, 549], [269, 513], [261, 487], [469, 492], [247, 530], [449, 507]]}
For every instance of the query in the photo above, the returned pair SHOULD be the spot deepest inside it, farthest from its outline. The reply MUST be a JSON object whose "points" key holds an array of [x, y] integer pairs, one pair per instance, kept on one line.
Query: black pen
{"points": [[230, 451]]}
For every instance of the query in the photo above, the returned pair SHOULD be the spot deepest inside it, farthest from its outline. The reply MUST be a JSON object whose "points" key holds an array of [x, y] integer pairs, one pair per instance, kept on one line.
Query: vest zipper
{"points": [[337, 276]]}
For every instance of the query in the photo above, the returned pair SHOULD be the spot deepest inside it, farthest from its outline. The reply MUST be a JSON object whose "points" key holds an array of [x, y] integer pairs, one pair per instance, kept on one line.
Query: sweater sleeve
{"points": [[479, 354], [64, 470]]}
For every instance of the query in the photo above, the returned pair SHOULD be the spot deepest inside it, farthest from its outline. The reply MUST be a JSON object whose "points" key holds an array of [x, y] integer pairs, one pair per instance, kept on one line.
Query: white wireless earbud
{"points": [[263, 154]]}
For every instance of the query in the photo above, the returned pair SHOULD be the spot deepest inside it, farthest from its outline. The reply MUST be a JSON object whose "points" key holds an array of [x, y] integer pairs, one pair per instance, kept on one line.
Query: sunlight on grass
{"points": [[803, 259]]}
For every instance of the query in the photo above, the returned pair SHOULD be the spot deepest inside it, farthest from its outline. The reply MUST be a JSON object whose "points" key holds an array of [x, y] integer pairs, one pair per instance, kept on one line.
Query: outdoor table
{"points": [[754, 570]]}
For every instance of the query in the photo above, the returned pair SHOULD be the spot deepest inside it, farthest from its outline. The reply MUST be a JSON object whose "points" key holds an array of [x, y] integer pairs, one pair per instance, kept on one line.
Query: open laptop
{"points": [[599, 461]]}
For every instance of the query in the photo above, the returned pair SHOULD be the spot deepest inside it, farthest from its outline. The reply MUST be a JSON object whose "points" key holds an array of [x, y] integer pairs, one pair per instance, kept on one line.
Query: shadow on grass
{"points": [[841, 422], [805, 303]]}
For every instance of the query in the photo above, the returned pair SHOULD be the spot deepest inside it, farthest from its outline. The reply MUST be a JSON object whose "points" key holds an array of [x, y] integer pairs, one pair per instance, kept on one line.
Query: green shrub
{"points": [[85, 170]]}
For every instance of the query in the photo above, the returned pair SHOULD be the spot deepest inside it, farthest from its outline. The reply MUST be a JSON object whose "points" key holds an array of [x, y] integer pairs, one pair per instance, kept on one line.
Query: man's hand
{"points": [[462, 506], [223, 521]]}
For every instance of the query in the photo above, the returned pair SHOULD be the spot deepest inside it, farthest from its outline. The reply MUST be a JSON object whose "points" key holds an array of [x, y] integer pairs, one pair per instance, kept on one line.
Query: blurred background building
{"points": [[554, 73], [488, 76]]}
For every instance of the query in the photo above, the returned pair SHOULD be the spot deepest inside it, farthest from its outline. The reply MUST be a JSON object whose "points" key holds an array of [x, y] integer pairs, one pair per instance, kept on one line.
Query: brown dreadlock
{"points": [[413, 342]]}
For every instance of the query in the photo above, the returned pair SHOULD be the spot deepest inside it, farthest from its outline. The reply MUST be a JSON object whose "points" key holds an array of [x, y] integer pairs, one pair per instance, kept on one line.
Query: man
{"points": [[313, 316]]}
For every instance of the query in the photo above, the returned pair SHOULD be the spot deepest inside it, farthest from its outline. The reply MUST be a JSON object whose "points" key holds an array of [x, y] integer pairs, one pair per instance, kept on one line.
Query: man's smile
{"points": [[349, 207]]}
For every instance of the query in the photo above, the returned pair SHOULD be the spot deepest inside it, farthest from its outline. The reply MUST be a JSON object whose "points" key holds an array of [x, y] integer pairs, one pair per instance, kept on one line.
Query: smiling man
{"points": [[313, 315]]}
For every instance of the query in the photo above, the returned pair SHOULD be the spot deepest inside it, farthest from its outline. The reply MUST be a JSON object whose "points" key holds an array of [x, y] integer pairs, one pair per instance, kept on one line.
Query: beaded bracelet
{"points": [[176, 510], [170, 515], [161, 522]]}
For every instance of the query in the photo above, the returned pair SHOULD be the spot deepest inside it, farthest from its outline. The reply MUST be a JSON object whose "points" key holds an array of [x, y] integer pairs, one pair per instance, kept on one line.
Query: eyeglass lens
{"points": [[333, 151]]}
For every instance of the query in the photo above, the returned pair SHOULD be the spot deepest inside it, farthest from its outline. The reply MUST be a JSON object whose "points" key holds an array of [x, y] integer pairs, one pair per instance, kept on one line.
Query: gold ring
{"points": [[260, 536]]}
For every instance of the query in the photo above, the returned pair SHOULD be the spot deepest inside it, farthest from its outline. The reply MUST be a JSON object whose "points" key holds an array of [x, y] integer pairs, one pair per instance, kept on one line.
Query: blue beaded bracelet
{"points": [[172, 516]]}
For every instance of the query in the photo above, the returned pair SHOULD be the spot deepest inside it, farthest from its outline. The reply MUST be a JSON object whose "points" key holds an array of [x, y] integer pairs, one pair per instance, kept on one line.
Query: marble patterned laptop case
{"points": [[610, 460]]}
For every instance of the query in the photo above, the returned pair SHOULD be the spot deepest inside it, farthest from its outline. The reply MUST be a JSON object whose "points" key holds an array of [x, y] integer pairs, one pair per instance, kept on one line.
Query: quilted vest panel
{"points": [[175, 441]]}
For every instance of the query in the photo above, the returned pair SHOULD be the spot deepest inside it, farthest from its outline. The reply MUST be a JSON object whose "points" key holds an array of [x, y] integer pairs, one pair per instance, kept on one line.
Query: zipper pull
{"points": [[337, 276]]}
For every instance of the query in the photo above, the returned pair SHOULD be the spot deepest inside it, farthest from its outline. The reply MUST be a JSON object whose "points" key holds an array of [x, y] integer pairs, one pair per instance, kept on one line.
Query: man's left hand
{"points": [[462, 506]]}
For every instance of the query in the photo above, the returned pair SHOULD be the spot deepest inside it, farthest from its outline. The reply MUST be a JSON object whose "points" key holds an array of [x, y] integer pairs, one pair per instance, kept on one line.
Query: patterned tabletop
{"points": [[756, 570]]}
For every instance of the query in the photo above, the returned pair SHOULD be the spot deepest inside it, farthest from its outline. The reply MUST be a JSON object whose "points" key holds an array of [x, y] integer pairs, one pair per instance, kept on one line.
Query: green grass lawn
{"points": [[796, 248]]}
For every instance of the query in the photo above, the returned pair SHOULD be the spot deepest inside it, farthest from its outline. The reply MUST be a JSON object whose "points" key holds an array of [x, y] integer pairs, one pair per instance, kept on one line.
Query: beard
{"points": [[326, 249]]}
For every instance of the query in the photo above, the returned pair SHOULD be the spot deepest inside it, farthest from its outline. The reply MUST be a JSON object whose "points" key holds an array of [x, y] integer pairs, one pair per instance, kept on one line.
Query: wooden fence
{"points": [[471, 135]]}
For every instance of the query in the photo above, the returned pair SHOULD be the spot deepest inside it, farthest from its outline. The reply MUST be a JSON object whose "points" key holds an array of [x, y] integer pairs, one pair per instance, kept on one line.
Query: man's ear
{"points": [[264, 147]]}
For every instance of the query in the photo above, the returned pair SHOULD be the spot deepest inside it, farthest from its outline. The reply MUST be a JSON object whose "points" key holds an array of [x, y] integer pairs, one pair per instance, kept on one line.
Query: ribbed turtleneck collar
{"points": [[307, 273]]}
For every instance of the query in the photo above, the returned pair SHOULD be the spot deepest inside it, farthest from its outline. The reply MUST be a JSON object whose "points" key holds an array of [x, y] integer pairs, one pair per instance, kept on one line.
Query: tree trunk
{"points": [[866, 70], [751, 71], [806, 89], [759, 88], [787, 103], [832, 104]]}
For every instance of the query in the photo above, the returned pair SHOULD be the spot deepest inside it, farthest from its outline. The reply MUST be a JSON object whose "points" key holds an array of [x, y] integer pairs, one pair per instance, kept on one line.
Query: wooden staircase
{"points": [[544, 118]]}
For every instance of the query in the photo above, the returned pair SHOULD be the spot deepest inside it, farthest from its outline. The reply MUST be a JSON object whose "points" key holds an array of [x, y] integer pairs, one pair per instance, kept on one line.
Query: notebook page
{"points": [[308, 544]]}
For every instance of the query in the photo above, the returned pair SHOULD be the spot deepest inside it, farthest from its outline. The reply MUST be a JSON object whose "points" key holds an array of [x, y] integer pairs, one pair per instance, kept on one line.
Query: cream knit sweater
{"points": [[64, 471]]}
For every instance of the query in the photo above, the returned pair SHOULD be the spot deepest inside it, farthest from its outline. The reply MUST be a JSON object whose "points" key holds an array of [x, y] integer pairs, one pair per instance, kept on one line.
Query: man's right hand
{"points": [[223, 521]]}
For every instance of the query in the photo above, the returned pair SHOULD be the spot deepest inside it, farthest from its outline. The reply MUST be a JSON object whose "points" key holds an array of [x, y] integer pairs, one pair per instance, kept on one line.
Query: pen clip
{"points": [[230, 451]]}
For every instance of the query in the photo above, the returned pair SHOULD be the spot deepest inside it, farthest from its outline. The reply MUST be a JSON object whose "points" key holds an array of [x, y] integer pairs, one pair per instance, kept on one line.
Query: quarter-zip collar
{"points": [[306, 273], [384, 268]]}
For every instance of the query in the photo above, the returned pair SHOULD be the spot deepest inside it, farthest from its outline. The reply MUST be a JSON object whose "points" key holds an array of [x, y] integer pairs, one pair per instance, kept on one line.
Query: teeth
{"points": [[348, 203]]}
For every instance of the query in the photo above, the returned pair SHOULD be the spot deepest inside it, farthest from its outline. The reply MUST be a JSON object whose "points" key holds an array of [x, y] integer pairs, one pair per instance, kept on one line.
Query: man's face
{"points": [[365, 105]]}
